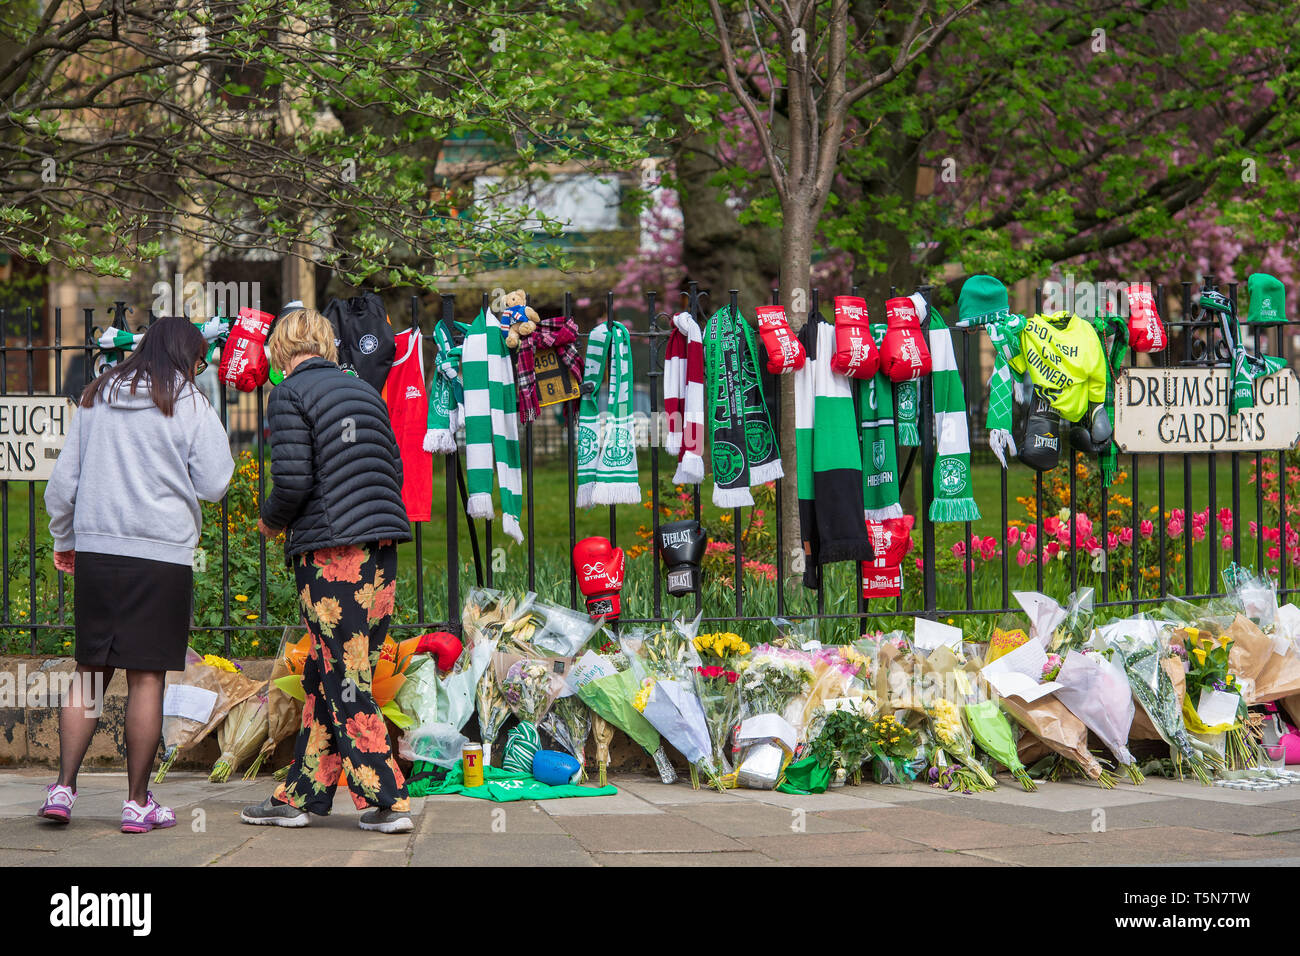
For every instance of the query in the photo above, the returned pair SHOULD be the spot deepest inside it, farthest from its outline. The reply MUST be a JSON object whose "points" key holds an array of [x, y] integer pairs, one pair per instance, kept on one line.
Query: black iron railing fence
{"points": [[446, 565]]}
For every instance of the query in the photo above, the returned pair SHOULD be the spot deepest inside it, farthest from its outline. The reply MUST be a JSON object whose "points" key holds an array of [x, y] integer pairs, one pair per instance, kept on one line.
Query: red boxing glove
{"points": [[903, 352], [600, 576], [443, 645], [784, 350], [855, 349], [243, 361], [891, 539], [1146, 333]]}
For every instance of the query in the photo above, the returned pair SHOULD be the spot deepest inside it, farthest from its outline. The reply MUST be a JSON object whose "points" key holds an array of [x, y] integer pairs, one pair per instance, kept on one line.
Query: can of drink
{"points": [[471, 764]]}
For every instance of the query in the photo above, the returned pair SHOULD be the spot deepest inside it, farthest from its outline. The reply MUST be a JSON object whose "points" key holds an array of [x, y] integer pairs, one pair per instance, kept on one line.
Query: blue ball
{"points": [[554, 767]]}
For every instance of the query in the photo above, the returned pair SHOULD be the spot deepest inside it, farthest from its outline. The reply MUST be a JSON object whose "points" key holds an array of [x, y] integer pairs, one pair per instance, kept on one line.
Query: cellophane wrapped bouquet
{"points": [[665, 661], [196, 700], [240, 735], [721, 653]]}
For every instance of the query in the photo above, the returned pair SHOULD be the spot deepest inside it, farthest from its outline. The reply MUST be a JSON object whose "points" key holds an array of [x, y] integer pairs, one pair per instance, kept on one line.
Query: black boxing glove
{"points": [[682, 544], [1040, 444], [1093, 432]]}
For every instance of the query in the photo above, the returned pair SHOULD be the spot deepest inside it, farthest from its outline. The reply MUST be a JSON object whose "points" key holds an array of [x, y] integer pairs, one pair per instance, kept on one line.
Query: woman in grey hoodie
{"points": [[142, 450]]}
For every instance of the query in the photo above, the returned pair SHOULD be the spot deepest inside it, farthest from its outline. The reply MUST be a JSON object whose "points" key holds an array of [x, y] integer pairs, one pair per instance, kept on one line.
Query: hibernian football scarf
{"points": [[1246, 368], [953, 500], [907, 404], [879, 454], [446, 394], [684, 398], [829, 465], [607, 473], [743, 446], [491, 424], [1004, 332]]}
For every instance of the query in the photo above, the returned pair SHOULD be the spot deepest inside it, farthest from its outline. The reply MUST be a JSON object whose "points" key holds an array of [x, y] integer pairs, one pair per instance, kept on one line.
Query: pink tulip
{"points": [[1024, 557], [1146, 528], [1112, 541], [1274, 553], [989, 549], [920, 565], [1013, 534], [959, 549], [1051, 524], [1175, 528], [1052, 549], [1225, 519], [1126, 537], [1198, 532], [1226, 542], [1082, 525]]}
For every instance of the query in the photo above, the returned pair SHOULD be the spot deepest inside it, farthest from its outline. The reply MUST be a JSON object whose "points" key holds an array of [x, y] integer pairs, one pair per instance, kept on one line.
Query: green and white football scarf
{"points": [[953, 500], [607, 472], [1117, 327], [744, 448], [829, 465], [879, 454], [446, 394], [1004, 332], [1246, 368], [491, 424]]}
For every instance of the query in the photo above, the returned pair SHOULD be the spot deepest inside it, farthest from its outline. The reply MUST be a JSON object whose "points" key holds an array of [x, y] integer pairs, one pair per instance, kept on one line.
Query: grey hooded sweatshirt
{"points": [[129, 479]]}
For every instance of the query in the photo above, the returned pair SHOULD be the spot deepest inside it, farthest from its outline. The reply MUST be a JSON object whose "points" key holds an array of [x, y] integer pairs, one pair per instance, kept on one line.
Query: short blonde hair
{"points": [[301, 332]]}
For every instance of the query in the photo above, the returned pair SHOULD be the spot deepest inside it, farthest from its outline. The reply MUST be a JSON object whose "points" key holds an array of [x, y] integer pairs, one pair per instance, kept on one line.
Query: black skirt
{"points": [[132, 613]]}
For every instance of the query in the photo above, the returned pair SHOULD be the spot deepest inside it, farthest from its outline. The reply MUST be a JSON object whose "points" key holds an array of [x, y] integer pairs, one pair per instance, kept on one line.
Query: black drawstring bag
{"points": [[363, 337]]}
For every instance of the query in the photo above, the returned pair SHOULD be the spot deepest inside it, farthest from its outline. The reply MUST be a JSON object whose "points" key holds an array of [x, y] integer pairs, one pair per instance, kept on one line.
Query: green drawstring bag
{"points": [[806, 776]]}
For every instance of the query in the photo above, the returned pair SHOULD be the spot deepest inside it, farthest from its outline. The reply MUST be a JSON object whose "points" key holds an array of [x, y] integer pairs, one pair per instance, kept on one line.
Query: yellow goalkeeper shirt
{"points": [[1065, 360]]}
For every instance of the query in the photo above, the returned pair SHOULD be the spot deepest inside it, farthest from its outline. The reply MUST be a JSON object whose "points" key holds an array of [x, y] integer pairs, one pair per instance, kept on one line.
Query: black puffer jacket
{"points": [[335, 466]]}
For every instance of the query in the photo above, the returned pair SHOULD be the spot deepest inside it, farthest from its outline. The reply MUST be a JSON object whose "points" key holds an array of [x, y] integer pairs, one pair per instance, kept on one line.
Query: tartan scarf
{"points": [[828, 464], [879, 454], [684, 398], [446, 393], [743, 446], [953, 500], [559, 333], [607, 472], [491, 424]]}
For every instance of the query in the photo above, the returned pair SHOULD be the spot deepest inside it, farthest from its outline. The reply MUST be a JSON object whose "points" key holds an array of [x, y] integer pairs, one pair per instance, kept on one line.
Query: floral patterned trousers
{"points": [[346, 595]]}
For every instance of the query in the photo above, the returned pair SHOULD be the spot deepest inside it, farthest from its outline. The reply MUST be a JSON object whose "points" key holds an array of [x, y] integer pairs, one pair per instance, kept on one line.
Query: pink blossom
{"points": [[1198, 532], [1083, 525], [1052, 549], [989, 549], [1013, 534], [959, 549], [1274, 553], [1226, 542], [1051, 524], [1112, 541], [1146, 528], [1024, 557], [920, 565], [1225, 519], [1126, 537]]}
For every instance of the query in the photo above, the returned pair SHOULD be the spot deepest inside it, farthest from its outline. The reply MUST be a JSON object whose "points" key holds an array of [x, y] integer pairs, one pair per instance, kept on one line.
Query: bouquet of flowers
{"points": [[664, 660], [843, 741], [437, 706], [772, 679], [720, 699], [894, 747], [951, 742], [606, 683], [723, 645], [283, 713], [569, 724], [240, 735], [995, 735], [1096, 690], [196, 700], [1154, 691], [1214, 703], [835, 674], [528, 685]]}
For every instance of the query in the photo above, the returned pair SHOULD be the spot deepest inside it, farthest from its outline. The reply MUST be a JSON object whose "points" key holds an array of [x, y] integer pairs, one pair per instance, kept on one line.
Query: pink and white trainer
{"points": [[58, 803], [142, 819]]}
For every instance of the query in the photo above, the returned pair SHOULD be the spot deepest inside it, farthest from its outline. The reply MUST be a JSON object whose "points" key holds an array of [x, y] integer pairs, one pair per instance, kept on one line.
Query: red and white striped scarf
{"points": [[684, 398]]}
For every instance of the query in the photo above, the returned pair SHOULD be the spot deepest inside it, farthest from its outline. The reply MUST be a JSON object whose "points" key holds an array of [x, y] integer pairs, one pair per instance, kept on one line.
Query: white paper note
{"points": [[931, 635], [590, 666], [1045, 614], [1017, 674], [189, 702], [1217, 707]]}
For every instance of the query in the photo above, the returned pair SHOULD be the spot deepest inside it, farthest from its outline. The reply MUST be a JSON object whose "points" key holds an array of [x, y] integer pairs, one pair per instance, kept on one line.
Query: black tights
{"points": [[79, 717]]}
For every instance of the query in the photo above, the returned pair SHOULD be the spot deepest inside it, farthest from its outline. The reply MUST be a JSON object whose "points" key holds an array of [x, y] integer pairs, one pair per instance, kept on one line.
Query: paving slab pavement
{"points": [[1166, 822]]}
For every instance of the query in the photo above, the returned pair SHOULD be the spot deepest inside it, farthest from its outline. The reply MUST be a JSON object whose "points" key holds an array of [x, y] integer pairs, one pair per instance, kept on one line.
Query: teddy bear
{"points": [[522, 318]]}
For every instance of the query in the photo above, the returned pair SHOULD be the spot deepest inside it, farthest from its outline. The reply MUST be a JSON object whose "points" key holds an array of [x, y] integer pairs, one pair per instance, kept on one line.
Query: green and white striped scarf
{"points": [[953, 499], [607, 472], [1004, 329], [491, 424], [446, 394], [879, 451], [742, 444]]}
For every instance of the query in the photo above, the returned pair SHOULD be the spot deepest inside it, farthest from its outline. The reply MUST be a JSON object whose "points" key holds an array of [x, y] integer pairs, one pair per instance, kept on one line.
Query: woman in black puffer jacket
{"points": [[337, 495]]}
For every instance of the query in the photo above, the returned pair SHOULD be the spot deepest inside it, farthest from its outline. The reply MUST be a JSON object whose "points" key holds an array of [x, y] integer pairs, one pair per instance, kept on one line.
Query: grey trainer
{"points": [[269, 813], [386, 821]]}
